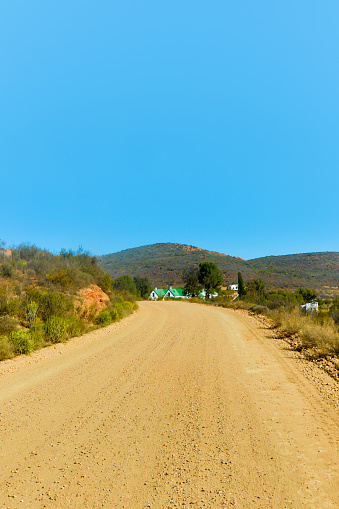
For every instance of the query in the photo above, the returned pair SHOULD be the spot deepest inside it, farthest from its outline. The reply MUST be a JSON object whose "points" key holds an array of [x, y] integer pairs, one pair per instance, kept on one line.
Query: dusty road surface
{"points": [[184, 406]]}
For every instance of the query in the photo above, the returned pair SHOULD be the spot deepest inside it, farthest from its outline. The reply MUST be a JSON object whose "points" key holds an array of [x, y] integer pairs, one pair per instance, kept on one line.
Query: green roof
{"points": [[178, 292], [160, 291]]}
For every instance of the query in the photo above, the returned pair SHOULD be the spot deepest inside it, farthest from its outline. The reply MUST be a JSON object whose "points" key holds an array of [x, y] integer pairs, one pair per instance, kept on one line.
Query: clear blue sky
{"points": [[125, 123]]}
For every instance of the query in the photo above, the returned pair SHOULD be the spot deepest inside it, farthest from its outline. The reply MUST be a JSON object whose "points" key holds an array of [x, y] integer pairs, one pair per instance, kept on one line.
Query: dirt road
{"points": [[183, 406]]}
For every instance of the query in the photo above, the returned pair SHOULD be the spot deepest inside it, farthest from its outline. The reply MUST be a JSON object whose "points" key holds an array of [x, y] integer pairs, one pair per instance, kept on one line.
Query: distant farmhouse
{"points": [[233, 287], [202, 294], [175, 293], [310, 306], [168, 293], [158, 293]]}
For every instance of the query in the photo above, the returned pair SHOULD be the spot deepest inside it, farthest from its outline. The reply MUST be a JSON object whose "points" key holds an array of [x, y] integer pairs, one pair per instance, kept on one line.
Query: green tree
{"points": [[143, 286], [125, 284], [191, 279], [256, 290], [105, 282], [307, 294], [241, 286], [209, 277]]}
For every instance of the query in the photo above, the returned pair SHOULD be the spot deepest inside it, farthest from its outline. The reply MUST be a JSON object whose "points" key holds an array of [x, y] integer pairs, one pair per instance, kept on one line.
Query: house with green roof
{"points": [[203, 293], [158, 293], [176, 293]]}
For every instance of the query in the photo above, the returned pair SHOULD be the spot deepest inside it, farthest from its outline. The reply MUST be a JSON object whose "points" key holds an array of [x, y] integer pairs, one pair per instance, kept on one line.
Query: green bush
{"points": [[50, 303], [56, 329], [103, 318], [91, 314], [123, 308], [114, 315], [8, 306], [279, 298], [31, 310], [75, 327], [258, 309], [21, 341], [38, 334], [237, 304]]}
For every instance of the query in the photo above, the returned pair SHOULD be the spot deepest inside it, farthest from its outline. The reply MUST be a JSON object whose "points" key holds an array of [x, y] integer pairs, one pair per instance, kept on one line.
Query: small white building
{"points": [[233, 287], [203, 294], [158, 293], [310, 306]]}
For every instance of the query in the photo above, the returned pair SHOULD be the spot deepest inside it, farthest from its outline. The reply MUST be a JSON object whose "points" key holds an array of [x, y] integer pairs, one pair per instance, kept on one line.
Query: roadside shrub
{"points": [[238, 304], [7, 324], [31, 310], [75, 327], [91, 313], [103, 318], [21, 341], [38, 334], [114, 315], [50, 303], [124, 308], [290, 322], [259, 309], [323, 337], [8, 306], [56, 329], [278, 298], [6, 349]]}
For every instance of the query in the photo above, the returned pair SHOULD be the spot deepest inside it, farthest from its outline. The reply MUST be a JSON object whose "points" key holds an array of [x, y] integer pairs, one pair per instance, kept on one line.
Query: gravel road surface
{"points": [[179, 406]]}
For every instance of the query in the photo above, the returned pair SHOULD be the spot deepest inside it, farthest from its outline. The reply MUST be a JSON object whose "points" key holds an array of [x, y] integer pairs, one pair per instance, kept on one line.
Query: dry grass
{"points": [[6, 349], [289, 322], [319, 339], [322, 338]]}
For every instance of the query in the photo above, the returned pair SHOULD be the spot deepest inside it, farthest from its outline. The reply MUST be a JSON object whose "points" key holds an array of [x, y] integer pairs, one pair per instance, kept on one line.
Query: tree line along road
{"points": [[182, 405]]}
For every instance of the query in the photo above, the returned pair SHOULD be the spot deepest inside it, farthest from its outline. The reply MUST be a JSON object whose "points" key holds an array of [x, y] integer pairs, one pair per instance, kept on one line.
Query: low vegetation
{"points": [[39, 298]]}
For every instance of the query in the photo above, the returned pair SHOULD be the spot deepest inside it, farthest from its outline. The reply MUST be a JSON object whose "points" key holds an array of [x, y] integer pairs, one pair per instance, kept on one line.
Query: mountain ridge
{"points": [[164, 263]]}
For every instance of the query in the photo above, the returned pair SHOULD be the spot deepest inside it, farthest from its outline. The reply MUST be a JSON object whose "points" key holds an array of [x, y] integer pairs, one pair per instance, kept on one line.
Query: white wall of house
{"points": [[214, 294], [310, 306], [233, 287]]}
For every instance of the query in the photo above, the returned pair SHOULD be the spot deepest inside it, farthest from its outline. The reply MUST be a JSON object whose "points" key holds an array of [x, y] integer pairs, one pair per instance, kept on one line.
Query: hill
{"points": [[163, 264]]}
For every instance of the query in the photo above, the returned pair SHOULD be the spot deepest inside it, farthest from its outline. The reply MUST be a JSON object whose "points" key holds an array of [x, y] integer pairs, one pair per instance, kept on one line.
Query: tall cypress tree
{"points": [[241, 286]]}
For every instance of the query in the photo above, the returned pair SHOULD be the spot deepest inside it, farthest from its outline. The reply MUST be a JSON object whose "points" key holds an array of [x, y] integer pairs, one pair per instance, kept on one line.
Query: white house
{"points": [[176, 293], [233, 287], [310, 306], [202, 294], [158, 293]]}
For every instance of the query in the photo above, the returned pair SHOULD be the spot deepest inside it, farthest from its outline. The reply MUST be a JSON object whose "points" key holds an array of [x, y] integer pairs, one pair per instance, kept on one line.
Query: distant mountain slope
{"points": [[313, 270], [163, 264]]}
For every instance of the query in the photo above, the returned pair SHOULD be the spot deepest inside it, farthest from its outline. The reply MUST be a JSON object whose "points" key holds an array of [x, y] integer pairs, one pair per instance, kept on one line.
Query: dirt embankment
{"points": [[180, 406], [89, 298]]}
